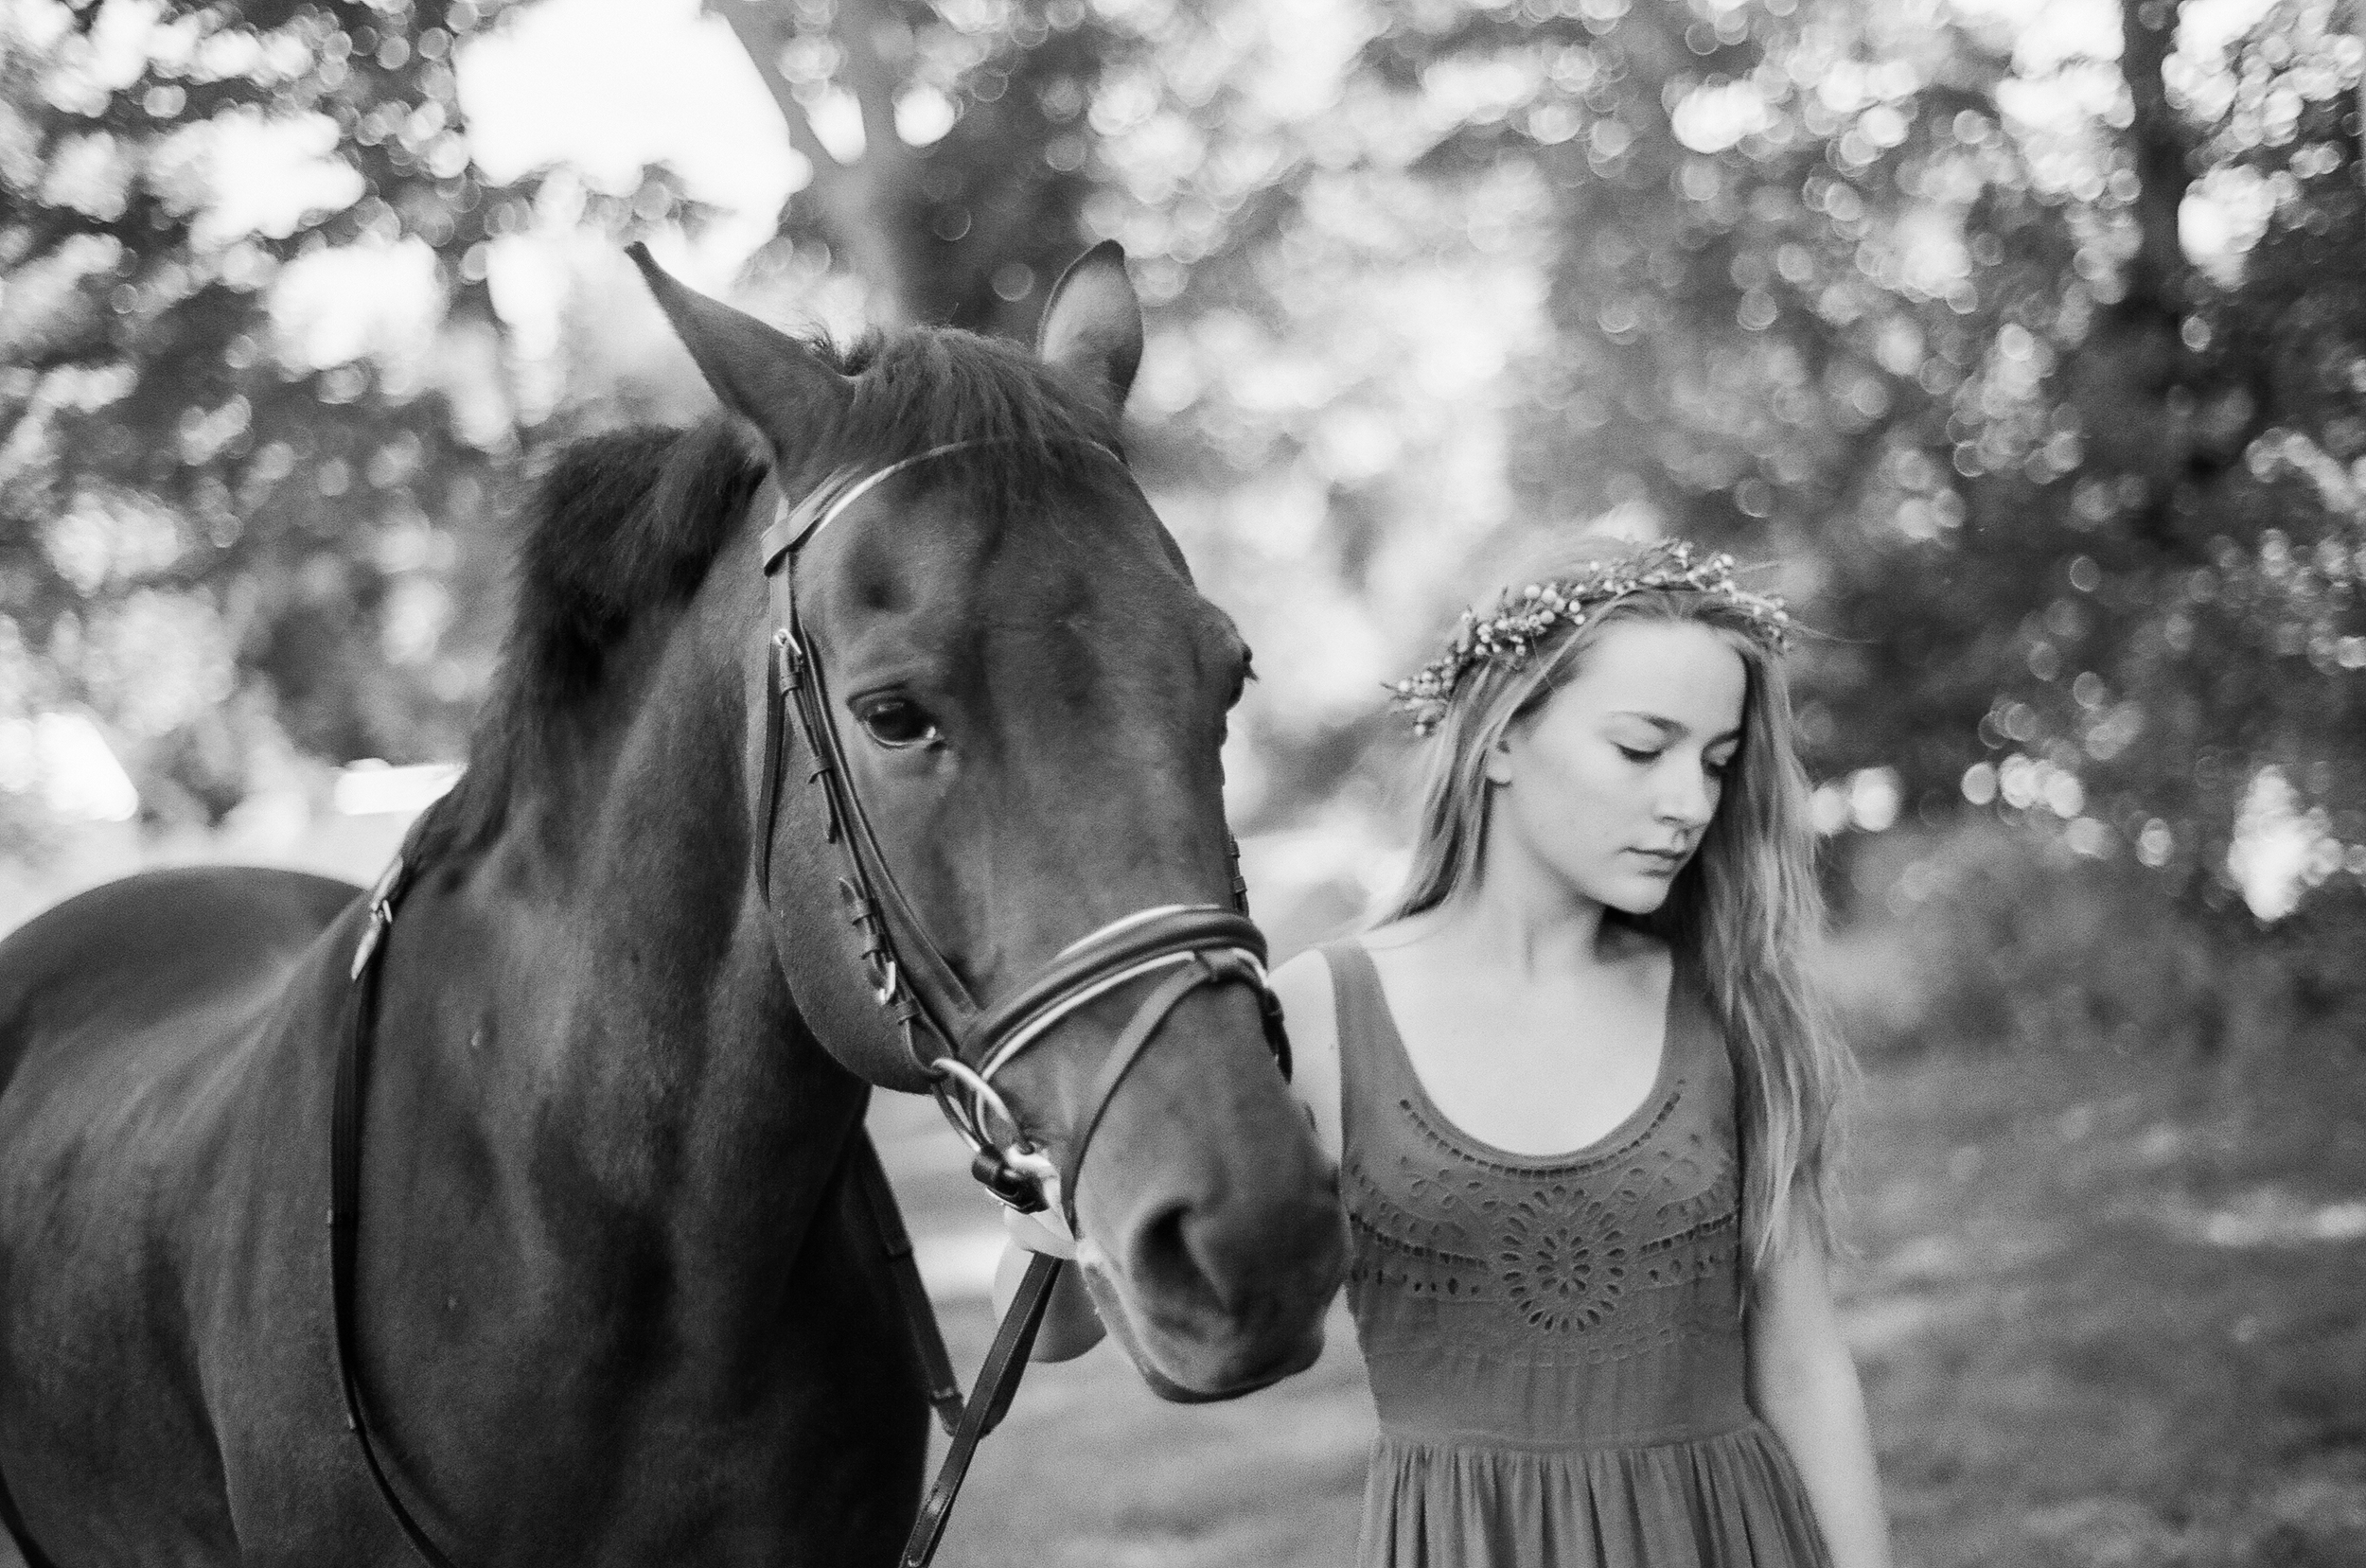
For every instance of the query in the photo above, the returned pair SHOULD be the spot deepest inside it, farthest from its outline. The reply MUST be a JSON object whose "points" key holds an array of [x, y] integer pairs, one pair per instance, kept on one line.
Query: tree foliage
{"points": [[1844, 287], [1849, 287], [220, 541]]}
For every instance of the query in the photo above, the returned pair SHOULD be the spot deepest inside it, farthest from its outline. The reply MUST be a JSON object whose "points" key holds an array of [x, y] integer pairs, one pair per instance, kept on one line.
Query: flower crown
{"points": [[1524, 618]]}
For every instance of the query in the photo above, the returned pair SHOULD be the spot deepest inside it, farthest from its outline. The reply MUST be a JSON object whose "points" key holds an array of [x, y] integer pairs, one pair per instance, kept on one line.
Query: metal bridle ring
{"points": [[984, 1097], [1019, 1159]]}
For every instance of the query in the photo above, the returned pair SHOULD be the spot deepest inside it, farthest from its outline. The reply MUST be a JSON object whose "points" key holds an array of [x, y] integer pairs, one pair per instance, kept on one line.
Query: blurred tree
{"points": [[1843, 286], [948, 144], [2156, 573], [1851, 286], [220, 537]]}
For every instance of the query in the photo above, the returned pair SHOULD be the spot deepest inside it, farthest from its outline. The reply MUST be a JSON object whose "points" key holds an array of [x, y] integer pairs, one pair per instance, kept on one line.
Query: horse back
{"points": [[123, 957]]}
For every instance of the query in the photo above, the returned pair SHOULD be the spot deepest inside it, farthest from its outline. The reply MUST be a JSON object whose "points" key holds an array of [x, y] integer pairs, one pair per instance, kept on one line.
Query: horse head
{"points": [[981, 664]]}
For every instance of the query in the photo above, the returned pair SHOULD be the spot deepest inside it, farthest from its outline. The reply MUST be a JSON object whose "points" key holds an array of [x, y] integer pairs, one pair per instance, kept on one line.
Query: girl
{"points": [[1581, 1100]]}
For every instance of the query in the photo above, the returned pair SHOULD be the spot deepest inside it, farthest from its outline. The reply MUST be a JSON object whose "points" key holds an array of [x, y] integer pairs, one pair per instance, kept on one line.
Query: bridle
{"points": [[958, 1045]]}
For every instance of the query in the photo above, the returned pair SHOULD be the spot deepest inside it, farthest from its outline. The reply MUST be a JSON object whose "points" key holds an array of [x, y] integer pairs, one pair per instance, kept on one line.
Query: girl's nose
{"points": [[1685, 801]]}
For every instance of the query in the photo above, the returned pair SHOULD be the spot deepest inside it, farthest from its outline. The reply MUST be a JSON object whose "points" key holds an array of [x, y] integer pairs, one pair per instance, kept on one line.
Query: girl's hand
{"points": [[1071, 1326], [1803, 1383]]}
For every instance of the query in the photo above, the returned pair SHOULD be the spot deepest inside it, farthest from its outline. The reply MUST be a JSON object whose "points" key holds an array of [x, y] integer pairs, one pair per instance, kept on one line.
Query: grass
{"points": [[2108, 1311]]}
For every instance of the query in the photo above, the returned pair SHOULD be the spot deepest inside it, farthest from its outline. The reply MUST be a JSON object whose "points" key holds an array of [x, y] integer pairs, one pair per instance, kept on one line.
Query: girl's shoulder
{"points": [[1310, 1012], [1309, 984], [1303, 986]]}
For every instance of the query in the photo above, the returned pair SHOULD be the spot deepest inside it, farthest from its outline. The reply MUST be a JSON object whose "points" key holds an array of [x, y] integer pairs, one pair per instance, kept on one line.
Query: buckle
{"points": [[381, 916], [1014, 1186]]}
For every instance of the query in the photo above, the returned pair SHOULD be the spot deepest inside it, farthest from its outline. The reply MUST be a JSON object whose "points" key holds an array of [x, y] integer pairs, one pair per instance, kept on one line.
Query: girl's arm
{"points": [[1803, 1383]]}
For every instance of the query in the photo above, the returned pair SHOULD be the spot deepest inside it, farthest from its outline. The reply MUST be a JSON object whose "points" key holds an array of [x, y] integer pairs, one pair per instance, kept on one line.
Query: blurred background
{"points": [[2020, 343]]}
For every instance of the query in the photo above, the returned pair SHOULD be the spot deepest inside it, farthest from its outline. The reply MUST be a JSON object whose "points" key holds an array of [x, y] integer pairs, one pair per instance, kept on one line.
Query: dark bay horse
{"points": [[613, 1300]]}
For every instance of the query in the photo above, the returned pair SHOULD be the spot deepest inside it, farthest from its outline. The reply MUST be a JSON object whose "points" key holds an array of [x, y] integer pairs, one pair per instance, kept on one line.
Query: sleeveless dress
{"points": [[1555, 1343]]}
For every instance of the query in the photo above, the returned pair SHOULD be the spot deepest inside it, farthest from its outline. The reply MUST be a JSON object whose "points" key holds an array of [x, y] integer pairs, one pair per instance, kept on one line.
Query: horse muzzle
{"points": [[1212, 1241]]}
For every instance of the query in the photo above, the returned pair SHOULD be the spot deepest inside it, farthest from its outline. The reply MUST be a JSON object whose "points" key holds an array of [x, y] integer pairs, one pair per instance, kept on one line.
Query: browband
{"points": [[794, 525]]}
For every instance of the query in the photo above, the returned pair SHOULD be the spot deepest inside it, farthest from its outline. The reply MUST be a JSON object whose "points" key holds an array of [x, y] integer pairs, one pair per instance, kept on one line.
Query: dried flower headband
{"points": [[1524, 618]]}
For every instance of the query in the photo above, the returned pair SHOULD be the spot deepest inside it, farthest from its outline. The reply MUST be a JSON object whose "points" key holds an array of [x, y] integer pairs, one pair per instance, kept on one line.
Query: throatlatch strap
{"points": [[998, 1379]]}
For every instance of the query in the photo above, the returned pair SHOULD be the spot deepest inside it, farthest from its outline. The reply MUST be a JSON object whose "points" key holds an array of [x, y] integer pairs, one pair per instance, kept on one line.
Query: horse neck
{"points": [[646, 1041]]}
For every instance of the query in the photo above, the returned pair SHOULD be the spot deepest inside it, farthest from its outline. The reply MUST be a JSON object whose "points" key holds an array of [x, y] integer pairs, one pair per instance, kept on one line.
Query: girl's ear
{"points": [[1498, 763]]}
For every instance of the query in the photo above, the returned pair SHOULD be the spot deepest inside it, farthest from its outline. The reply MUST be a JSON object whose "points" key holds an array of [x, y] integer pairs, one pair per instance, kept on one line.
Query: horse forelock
{"points": [[627, 522]]}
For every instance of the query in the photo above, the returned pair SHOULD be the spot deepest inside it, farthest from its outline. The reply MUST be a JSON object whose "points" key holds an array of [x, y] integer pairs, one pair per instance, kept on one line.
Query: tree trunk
{"points": [[872, 204], [2157, 141], [2142, 343]]}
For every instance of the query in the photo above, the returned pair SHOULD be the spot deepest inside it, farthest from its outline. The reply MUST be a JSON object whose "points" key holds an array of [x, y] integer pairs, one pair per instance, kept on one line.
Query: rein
{"points": [[958, 1045]]}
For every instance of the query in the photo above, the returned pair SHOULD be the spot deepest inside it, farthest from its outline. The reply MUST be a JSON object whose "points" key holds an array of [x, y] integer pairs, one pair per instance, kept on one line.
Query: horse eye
{"points": [[899, 722]]}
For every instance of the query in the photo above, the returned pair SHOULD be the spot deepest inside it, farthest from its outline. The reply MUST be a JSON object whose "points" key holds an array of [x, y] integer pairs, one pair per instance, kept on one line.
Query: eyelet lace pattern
{"points": [[1558, 1250]]}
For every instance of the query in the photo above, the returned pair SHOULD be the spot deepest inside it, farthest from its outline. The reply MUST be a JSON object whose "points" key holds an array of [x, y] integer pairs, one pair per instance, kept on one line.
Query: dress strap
{"points": [[1360, 1010]]}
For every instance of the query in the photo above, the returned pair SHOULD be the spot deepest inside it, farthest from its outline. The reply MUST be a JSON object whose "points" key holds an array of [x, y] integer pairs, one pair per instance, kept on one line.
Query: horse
{"points": [[615, 1295]]}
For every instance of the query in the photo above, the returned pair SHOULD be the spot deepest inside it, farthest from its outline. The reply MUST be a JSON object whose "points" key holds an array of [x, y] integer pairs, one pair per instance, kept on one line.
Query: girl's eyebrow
{"points": [[1670, 728]]}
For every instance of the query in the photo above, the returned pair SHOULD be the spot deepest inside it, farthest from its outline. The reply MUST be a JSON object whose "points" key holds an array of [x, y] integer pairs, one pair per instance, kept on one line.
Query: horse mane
{"points": [[628, 521]]}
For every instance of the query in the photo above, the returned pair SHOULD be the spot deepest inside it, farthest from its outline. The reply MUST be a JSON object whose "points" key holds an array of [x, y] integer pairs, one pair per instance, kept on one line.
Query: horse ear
{"points": [[1093, 323], [760, 372]]}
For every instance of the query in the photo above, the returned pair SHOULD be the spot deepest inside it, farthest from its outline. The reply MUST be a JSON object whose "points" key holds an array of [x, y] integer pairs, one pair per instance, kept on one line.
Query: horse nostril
{"points": [[1169, 1268]]}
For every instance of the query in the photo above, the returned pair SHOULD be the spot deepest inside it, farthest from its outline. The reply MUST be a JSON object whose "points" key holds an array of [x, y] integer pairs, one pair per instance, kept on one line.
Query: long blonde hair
{"points": [[1744, 911]]}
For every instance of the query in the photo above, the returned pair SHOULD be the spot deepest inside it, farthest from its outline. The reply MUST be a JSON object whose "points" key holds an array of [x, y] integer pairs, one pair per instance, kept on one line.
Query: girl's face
{"points": [[1612, 784]]}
